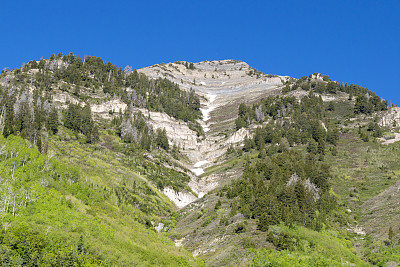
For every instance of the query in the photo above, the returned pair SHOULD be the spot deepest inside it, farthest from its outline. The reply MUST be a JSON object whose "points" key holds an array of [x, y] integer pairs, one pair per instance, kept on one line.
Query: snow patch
{"points": [[179, 198], [201, 163], [206, 113], [198, 171], [211, 97]]}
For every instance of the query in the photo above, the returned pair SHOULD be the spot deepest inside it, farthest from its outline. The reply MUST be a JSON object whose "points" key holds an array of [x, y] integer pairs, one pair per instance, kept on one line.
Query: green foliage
{"points": [[218, 204], [287, 187], [81, 78], [383, 253], [375, 129], [290, 122], [162, 139], [366, 101], [298, 246], [367, 105], [26, 113], [134, 128], [164, 96], [283, 185], [391, 233], [52, 216], [52, 122], [208, 220], [245, 115], [240, 228], [79, 119]]}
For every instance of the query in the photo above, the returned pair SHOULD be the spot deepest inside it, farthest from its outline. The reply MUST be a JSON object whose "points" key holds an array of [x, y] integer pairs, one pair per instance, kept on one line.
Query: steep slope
{"points": [[54, 214], [223, 85]]}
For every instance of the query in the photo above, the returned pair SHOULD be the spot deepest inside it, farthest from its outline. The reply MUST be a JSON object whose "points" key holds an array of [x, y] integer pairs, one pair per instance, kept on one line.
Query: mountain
{"points": [[186, 163]]}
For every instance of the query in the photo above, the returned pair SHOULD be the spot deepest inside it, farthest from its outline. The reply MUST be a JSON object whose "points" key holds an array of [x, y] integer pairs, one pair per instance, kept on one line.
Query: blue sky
{"points": [[351, 41]]}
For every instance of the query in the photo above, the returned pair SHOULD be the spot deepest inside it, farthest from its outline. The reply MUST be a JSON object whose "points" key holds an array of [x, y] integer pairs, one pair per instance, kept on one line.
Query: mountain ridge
{"points": [[195, 151]]}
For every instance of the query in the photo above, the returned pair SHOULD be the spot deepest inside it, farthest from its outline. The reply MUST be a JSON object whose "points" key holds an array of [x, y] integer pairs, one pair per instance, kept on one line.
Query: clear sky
{"points": [[351, 41]]}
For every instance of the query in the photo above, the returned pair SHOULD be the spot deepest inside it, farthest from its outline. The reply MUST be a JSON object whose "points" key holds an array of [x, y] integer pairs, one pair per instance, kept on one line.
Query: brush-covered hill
{"points": [[185, 163], [83, 168]]}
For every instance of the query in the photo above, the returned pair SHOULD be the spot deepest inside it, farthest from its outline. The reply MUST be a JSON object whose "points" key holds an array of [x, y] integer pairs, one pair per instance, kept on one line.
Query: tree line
{"points": [[283, 122], [366, 100], [90, 75]]}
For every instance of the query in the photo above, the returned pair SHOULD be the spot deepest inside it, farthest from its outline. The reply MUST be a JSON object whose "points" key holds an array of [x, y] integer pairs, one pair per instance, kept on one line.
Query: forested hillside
{"points": [[79, 189], [26, 94]]}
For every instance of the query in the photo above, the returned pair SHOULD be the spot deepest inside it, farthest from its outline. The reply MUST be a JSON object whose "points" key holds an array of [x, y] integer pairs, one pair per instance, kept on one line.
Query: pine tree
{"points": [[95, 135], [86, 122], [70, 117], [162, 139], [52, 122]]}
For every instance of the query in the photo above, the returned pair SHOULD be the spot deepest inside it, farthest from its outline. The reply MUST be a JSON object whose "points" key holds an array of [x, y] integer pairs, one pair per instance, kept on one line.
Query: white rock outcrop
{"points": [[390, 116], [114, 105], [238, 136], [177, 131]]}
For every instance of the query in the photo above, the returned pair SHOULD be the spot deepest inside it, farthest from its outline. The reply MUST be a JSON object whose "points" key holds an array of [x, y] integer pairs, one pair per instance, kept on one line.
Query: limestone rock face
{"points": [[238, 136], [390, 116], [222, 86], [228, 80], [177, 131], [104, 109], [114, 105]]}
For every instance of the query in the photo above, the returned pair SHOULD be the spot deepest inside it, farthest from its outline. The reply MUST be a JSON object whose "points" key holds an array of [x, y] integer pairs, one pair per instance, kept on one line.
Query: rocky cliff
{"points": [[223, 85]]}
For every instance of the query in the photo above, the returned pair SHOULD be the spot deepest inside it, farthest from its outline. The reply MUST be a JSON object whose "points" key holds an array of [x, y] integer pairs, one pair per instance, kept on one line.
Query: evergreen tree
{"points": [[52, 122], [162, 139], [95, 134], [85, 121]]}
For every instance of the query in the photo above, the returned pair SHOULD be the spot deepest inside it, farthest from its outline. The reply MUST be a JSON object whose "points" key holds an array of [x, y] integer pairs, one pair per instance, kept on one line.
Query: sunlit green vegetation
{"points": [[57, 214], [298, 246]]}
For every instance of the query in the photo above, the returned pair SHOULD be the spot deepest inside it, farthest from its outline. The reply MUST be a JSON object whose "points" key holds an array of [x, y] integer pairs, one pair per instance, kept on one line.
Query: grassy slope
{"points": [[324, 248], [64, 204], [367, 177], [363, 170]]}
